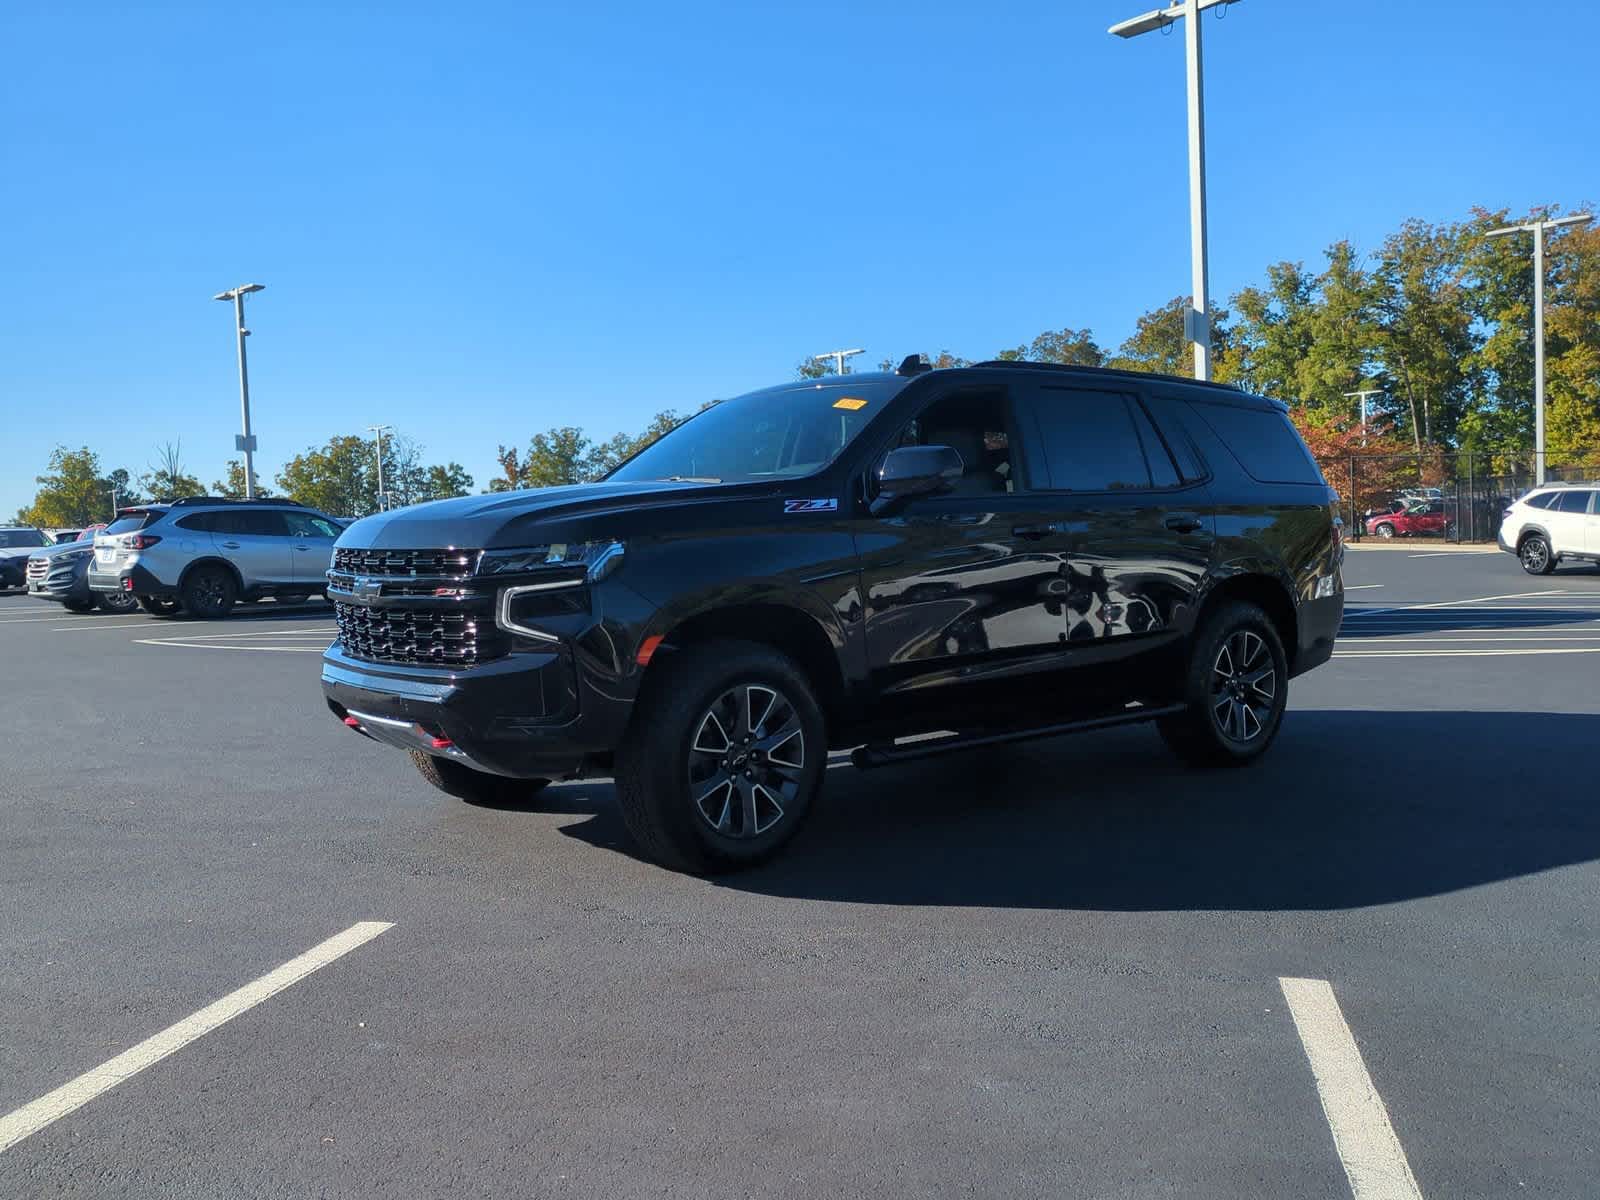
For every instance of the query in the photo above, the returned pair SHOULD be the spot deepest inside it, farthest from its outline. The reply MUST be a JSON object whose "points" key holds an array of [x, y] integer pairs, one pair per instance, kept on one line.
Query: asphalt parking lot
{"points": [[1061, 970]]}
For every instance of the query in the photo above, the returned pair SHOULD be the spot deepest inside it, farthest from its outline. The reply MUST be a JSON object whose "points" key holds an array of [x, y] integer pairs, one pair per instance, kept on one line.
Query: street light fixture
{"points": [[378, 430], [838, 357], [247, 441], [1537, 228], [1362, 396], [1197, 318]]}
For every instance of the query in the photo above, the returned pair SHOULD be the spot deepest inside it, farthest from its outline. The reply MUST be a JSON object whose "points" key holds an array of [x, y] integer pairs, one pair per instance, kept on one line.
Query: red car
{"points": [[1409, 518]]}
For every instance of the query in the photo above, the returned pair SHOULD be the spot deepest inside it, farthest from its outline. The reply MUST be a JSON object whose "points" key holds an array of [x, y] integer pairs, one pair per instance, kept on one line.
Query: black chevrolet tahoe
{"points": [[907, 563]]}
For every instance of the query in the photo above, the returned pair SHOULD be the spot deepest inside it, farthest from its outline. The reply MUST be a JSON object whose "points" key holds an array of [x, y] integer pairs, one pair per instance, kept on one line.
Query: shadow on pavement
{"points": [[1350, 808], [1366, 622]]}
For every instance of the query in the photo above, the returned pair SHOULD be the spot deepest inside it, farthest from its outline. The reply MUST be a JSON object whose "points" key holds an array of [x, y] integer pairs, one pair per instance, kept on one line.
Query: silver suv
{"points": [[203, 555]]}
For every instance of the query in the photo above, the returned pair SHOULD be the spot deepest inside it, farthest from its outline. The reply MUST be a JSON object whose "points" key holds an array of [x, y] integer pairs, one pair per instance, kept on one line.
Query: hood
{"points": [[507, 519], [61, 551], [9, 552]]}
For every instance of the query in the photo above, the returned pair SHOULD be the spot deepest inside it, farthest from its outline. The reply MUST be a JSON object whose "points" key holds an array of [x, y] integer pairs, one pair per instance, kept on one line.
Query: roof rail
{"points": [[1117, 372], [192, 500]]}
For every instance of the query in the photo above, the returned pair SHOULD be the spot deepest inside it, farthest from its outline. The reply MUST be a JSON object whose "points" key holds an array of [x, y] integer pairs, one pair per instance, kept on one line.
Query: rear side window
{"points": [[1263, 441], [132, 522], [1088, 442], [1542, 500], [199, 522], [1574, 502], [260, 522]]}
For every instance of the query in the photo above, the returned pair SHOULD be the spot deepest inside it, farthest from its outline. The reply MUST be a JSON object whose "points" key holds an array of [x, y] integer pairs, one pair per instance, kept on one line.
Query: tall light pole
{"points": [[1537, 228], [1362, 396], [1197, 318], [378, 432], [247, 441], [838, 357]]}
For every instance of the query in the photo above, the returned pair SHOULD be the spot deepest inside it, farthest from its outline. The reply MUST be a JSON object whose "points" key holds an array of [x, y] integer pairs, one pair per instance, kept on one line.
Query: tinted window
{"points": [[261, 522], [199, 522], [1542, 500], [1170, 423], [1263, 441], [1574, 502], [21, 539], [975, 424], [1087, 442], [1163, 472], [131, 522]]}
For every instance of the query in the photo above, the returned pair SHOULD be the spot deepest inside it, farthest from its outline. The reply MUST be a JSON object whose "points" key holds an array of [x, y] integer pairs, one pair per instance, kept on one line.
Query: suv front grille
{"points": [[38, 568], [405, 563], [418, 636]]}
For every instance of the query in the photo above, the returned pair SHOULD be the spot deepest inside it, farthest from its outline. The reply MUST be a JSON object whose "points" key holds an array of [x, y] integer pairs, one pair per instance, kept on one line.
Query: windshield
{"points": [[779, 433], [19, 539]]}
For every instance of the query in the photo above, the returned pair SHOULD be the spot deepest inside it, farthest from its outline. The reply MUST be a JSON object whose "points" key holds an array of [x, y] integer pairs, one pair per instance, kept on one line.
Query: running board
{"points": [[880, 755]]}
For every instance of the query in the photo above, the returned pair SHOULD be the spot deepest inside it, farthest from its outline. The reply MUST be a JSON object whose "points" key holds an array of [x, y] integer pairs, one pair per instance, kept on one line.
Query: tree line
{"points": [[1437, 319], [339, 477]]}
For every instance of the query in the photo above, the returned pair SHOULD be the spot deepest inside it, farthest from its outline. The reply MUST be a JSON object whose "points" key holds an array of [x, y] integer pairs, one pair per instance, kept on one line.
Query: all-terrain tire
{"points": [[723, 759], [1235, 690]]}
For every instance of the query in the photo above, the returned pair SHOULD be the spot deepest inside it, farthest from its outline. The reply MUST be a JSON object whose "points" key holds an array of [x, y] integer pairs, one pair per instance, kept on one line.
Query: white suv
{"points": [[1552, 524]]}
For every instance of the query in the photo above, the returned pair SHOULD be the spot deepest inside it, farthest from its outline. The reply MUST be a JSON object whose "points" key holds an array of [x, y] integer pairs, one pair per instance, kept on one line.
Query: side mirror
{"points": [[910, 471]]}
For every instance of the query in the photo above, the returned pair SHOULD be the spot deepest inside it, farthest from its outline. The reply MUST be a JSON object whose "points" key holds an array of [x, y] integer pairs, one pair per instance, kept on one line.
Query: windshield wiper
{"points": [[688, 479]]}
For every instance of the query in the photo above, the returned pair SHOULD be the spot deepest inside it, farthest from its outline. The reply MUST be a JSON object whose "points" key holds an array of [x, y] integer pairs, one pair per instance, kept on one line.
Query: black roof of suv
{"points": [[1006, 551]]}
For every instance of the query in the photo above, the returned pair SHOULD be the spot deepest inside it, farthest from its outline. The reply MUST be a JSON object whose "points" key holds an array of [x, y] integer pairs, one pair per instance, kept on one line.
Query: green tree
{"points": [[72, 492], [233, 486], [1157, 343], [815, 368], [557, 456], [1075, 347], [1271, 334], [337, 477], [446, 482], [166, 479]]}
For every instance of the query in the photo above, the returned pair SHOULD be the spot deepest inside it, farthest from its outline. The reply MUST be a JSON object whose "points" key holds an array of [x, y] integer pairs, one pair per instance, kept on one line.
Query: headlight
{"points": [[577, 562], [86, 552]]}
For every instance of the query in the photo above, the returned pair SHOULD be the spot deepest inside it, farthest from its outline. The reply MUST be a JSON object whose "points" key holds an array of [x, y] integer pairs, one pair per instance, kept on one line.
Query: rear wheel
{"points": [[476, 787], [1535, 555], [209, 592], [723, 759], [77, 606], [116, 602], [1236, 690], [160, 606]]}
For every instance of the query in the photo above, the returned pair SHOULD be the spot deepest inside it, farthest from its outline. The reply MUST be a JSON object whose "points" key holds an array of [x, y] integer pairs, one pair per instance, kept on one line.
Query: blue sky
{"points": [[478, 221]]}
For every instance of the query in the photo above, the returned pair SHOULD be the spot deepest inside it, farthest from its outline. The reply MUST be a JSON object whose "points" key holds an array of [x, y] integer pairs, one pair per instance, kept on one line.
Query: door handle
{"points": [[1032, 532], [1183, 522], [230, 545], [302, 547]]}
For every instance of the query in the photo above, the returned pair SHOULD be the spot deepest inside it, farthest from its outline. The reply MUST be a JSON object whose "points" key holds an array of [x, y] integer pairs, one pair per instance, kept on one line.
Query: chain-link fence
{"points": [[1438, 496]]}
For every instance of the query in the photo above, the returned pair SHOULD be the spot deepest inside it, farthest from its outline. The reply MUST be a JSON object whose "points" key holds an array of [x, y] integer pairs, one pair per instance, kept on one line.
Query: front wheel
{"points": [[723, 759], [1385, 530], [476, 787], [160, 606], [1236, 689], [77, 606], [1535, 555]]}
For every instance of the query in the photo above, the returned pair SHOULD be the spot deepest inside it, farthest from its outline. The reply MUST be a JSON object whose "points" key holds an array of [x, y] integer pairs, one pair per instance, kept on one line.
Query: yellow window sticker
{"points": [[849, 403]]}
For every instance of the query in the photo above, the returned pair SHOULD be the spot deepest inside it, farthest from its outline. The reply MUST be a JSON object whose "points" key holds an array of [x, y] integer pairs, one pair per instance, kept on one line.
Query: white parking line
{"points": [[1361, 587], [69, 1097], [1435, 554], [1454, 653], [1374, 1161]]}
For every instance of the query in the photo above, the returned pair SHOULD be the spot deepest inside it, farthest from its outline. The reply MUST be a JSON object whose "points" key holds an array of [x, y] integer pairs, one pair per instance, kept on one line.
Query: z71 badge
{"points": [[807, 506]]}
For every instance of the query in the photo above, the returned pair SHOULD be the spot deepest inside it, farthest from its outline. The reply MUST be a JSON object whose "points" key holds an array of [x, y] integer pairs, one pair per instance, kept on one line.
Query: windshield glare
{"points": [[780, 433]]}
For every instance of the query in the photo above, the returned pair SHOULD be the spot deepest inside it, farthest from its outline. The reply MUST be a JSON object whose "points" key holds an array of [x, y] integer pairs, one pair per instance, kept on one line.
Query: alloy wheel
{"points": [[210, 592], [746, 760], [1535, 554], [1244, 686]]}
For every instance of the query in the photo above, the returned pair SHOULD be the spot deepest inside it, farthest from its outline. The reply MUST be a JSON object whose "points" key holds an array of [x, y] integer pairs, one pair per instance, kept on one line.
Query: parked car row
{"points": [[200, 555]]}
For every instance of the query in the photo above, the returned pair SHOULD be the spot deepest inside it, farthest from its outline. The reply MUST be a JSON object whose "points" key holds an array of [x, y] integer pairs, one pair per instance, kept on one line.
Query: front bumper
{"points": [[64, 581], [527, 715], [13, 572]]}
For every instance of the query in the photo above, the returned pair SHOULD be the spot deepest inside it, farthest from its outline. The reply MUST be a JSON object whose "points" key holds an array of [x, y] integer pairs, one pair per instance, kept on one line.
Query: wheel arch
{"points": [[784, 627], [1528, 531], [1267, 593]]}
